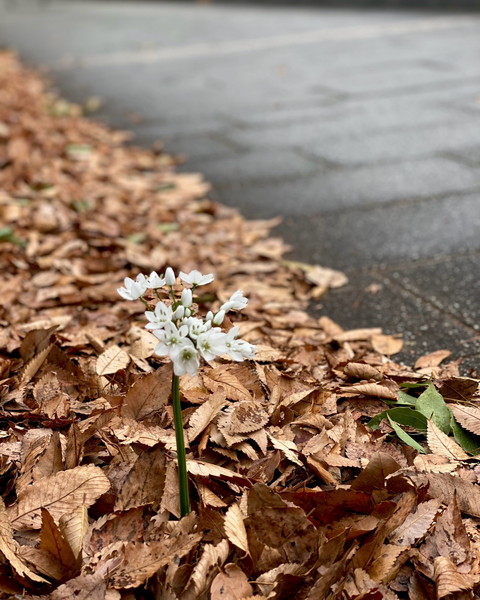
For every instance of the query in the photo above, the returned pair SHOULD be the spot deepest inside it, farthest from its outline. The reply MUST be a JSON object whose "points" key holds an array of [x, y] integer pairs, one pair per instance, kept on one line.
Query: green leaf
{"points": [[468, 441], [137, 238], [8, 235], [432, 405], [404, 398], [167, 227], [407, 439], [404, 416]]}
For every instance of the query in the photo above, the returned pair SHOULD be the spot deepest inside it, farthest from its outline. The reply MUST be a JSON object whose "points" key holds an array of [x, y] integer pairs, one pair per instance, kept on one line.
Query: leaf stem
{"points": [[181, 454]]}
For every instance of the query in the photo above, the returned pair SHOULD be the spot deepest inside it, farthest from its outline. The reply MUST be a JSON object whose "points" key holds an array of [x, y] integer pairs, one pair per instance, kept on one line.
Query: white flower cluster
{"points": [[182, 335]]}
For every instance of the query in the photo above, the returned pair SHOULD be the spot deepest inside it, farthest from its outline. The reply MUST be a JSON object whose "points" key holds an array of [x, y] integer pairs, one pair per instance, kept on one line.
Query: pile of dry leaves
{"points": [[294, 496]]}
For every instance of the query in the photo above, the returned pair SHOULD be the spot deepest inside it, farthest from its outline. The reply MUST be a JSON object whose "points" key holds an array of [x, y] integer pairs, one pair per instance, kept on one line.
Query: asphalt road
{"points": [[360, 127]]}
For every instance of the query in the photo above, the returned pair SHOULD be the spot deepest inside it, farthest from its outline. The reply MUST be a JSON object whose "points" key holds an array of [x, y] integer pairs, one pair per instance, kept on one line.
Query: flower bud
{"points": [[179, 313], [187, 297], [170, 278], [218, 318], [188, 313]]}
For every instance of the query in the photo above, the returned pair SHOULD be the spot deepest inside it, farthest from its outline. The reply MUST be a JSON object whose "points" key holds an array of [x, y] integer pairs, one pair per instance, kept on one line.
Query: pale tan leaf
{"points": [[432, 360], [144, 483], [444, 486], [232, 584], [148, 394], [362, 371], [142, 342], [53, 542], [376, 390], [247, 417], [235, 528], [74, 527], [221, 378], [386, 344], [10, 548], [440, 443], [205, 414], [204, 469], [111, 361], [212, 558], [34, 365], [265, 581], [447, 578], [382, 567], [141, 561], [416, 524], [357, 335], [83, 587], [288, 448], [432, 463], [59, 494], [467, 416]]}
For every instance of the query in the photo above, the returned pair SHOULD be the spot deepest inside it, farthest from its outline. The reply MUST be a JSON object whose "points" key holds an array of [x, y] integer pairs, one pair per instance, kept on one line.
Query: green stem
{"points": [[181, 454]]}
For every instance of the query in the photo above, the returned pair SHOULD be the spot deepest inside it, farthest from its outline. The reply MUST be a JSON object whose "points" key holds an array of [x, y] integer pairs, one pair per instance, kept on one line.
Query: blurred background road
{"points": [[361, 127]]}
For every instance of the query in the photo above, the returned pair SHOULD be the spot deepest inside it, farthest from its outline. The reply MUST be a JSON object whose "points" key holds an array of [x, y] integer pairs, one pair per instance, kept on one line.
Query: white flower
{"points": [[196, 278], [155, 281], [195, 327], [187, 360], [133, 290], [212, 343], [171, 339], [170, 278], [218, 318], [237, 302], [161, 315], [239, 350], [187, 297], [209, 316]]}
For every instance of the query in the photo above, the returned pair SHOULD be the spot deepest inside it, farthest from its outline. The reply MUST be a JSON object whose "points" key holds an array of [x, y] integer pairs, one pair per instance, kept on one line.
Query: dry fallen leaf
{"points": [[112, 360]]}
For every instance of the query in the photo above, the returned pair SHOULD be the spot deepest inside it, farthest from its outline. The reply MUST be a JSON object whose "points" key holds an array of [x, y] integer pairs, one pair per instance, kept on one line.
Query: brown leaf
{"points": [[443, 445], [374, 474], [416, 524], [444, 486], [387, 344], [205, 414], [376, 390], [205, 568], [83, 587], [235, 528], [10, 549], [433, 359], [149, 394], [447, 578], [111, 361], [232, 584], [141, 561], [144, 483], [52, 541], [221, 378], [59, 494]]}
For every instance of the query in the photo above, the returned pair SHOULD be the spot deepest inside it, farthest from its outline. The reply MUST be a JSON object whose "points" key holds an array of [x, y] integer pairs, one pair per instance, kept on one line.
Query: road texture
{"points": [[360, 127]]}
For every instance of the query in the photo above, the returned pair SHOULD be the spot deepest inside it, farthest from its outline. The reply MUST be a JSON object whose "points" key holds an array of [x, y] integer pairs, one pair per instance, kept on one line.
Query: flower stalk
{"points": [[181, 453], [186, 338]]}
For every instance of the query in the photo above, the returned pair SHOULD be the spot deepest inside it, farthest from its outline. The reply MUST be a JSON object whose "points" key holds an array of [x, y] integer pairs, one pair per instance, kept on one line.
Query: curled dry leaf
{"points": [[205, 414], [448, 579], [213, 557]]}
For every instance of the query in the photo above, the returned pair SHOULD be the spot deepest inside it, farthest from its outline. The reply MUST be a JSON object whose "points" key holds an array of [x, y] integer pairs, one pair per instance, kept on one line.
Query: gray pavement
{"points": [[361, 127]]}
